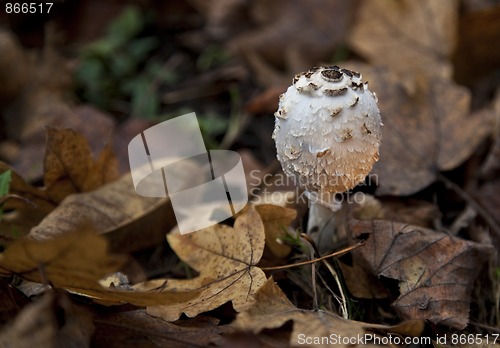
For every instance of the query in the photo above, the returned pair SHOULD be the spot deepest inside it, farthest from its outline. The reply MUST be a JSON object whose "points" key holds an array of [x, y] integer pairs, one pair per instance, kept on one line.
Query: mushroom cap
{"points": [[328, 129]]}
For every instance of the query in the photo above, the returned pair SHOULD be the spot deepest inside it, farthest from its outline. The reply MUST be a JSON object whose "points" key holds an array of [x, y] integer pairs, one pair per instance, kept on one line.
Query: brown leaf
{"points": [[276, 220], [361, 284], [129, 221], [51, 321], [94, 125], [278, 33], [226, 259], [120, 329], [272, 309], [489, 198], [14, 70], [424, 131], [435, 271], [76, 262], [12, 300], [394, 33], [69, 167], [27, 207], [475, 56]]}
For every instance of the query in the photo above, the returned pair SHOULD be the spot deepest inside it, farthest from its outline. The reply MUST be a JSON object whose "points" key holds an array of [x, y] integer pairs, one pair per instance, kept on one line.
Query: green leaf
{"points": [[145, 101], [127, 25], [140, 48], [5, 179]]}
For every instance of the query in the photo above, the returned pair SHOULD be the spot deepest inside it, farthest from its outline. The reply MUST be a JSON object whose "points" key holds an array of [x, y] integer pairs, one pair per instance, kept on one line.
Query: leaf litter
{"points": [[87, 222]]}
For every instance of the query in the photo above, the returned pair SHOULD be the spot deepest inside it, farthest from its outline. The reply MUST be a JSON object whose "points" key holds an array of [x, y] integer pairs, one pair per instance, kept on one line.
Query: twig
{"points": [[335, 254]]}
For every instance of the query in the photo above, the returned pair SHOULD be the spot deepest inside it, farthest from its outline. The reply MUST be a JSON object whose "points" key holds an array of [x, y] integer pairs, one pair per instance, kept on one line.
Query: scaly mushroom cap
{"points": [[328, 129]]}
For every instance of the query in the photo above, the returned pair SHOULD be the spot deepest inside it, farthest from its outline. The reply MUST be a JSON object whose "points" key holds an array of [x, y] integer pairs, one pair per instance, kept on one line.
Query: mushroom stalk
{"points": [[327, 134]]}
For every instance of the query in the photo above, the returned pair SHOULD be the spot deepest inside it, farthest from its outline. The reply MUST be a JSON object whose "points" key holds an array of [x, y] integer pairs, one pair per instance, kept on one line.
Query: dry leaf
{"points": [[51, 321], [475, 56], [69, 167], [76, 262], [436, 271], [14, 70], [360, 283], [225, 257], [278, 33], [27, 206], [272, 309], [94, 125], [145, 331], [129, 221], [424, 131], [276, 220], [489, 198], [12, 300], [385, 32]]}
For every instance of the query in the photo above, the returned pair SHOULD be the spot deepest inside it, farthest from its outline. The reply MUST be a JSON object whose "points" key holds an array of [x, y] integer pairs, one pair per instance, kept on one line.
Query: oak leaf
{"points": [[436, 271], [272, 309], [226, 259]]}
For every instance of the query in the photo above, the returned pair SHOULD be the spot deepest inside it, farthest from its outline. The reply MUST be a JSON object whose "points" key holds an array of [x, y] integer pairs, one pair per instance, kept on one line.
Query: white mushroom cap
{"points": [[328, 129]]}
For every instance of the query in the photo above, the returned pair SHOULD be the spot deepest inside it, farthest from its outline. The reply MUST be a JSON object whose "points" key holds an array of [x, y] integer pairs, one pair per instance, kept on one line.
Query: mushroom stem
{"points": [[322, 208]]}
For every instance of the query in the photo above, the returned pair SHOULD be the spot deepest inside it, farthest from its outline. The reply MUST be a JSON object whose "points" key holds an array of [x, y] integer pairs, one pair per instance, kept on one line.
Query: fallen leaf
{"points": [[276, 220], [11, 301], [24, 208], [14, 70], [69, 167], [475, 56], [120, 329], [266, 35], [436, 271], [129, 221], [226, 259], [360, 283], [393, 33], [96, 127], [272, 309], [488, 196], [267, 101], [76, 262], [51, 321], [437, 111], [411, 211]]}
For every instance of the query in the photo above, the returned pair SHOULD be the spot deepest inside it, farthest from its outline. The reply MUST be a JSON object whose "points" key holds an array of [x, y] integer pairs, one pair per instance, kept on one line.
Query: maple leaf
{"points": [[436, 271], [272, 309], [225, 257]]}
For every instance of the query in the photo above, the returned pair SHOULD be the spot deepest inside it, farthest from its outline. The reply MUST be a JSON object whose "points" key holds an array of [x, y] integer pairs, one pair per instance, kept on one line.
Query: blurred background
{"points": [[116, 67]]}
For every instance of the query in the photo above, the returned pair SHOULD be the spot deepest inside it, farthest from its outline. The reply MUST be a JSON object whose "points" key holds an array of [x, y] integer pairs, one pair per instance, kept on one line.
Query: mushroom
{"points": [[327, 134]]}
